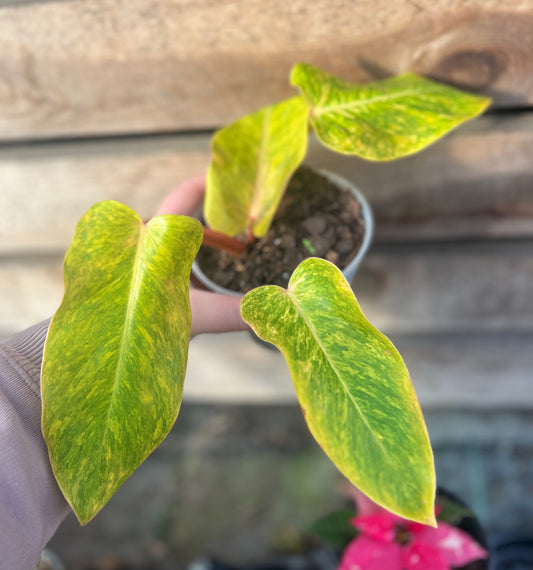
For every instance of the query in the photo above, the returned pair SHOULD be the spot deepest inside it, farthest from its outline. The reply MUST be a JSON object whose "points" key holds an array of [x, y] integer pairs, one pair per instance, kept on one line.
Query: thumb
{"points": [[185, 199], [213, 313]]}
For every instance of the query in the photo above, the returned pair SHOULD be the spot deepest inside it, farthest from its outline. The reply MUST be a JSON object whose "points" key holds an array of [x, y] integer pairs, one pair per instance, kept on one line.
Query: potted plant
{"points": [[116, 351], [320, 214]]}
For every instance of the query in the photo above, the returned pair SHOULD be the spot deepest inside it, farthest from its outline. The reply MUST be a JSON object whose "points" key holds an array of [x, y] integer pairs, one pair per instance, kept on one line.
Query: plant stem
{"points": [[222, 241]]}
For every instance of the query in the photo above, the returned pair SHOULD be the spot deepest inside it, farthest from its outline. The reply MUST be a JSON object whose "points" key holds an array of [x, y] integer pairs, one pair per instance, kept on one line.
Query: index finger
{"points": [[185, 199]]}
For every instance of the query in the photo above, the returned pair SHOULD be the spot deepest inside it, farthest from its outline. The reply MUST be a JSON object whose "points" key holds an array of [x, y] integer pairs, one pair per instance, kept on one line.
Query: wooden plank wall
{"points": [[107, 99], [71, 67]]}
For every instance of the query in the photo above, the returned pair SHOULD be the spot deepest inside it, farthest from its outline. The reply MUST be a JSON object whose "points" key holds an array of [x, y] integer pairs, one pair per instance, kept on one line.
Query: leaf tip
{"points": [[485, 103], [295, 72], [430, 519], [84, 519]]}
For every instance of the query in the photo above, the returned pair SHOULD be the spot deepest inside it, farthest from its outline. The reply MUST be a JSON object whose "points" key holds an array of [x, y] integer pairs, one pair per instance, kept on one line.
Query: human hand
{"points": [[211, 312]]}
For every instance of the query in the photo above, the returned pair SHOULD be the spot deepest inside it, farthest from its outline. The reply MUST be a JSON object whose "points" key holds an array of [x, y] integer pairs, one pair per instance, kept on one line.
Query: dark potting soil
{"points": [[315, 219]]}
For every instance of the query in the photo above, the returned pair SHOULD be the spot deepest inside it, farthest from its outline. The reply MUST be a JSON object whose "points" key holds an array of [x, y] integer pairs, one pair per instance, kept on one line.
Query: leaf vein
{"points": [[314, 334]]}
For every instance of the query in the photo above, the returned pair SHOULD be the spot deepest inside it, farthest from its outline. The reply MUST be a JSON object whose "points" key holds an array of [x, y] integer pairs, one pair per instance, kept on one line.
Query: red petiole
{"points": [[222, 241]]}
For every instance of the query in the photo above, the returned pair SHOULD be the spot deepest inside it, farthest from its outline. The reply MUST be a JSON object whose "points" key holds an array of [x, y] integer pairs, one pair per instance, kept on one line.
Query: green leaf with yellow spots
{"points": [[384, 120], [253, 160], [115, 355], [352, 384]]}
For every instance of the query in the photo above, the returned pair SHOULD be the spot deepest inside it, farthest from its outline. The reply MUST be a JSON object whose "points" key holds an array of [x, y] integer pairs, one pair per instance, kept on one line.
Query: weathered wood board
{"points": [[475, 183], [46, 188], [31, 291], [461, 316], [447, 288], [467, 371], [88, 68], [453, 288], [105, 100]]}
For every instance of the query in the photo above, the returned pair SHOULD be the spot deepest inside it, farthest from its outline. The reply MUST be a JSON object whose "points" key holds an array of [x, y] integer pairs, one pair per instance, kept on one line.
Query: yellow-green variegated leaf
{"points": [[115, 355], [383, 120], [253, 160], [352, 384]]}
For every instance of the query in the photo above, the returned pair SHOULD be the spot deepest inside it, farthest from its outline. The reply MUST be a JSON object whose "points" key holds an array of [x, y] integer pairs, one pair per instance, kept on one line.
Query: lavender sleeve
{"points": [[31, 504]]}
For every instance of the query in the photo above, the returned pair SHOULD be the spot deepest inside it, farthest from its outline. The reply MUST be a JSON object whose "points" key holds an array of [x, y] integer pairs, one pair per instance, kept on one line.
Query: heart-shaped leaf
{"points": [[352, 384], [116, 351], [383, 120], [253, 160]]}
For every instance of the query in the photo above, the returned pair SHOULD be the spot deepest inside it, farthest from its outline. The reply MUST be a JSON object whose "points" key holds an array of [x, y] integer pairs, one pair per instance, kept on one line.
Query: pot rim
{"points": [[350, 270]]}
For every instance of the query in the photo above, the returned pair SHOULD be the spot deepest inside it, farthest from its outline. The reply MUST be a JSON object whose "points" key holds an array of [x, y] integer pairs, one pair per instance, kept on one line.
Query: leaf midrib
{"points": [[133, 295], [314, 334], [371, 101], [259, 178]]}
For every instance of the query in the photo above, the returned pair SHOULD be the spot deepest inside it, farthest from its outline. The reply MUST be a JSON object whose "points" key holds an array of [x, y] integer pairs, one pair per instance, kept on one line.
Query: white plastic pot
{"points": [[349, 271]]}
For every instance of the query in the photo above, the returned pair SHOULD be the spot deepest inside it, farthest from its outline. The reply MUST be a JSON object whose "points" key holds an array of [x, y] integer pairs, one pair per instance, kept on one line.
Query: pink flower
{"points": [[388, 542]]}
